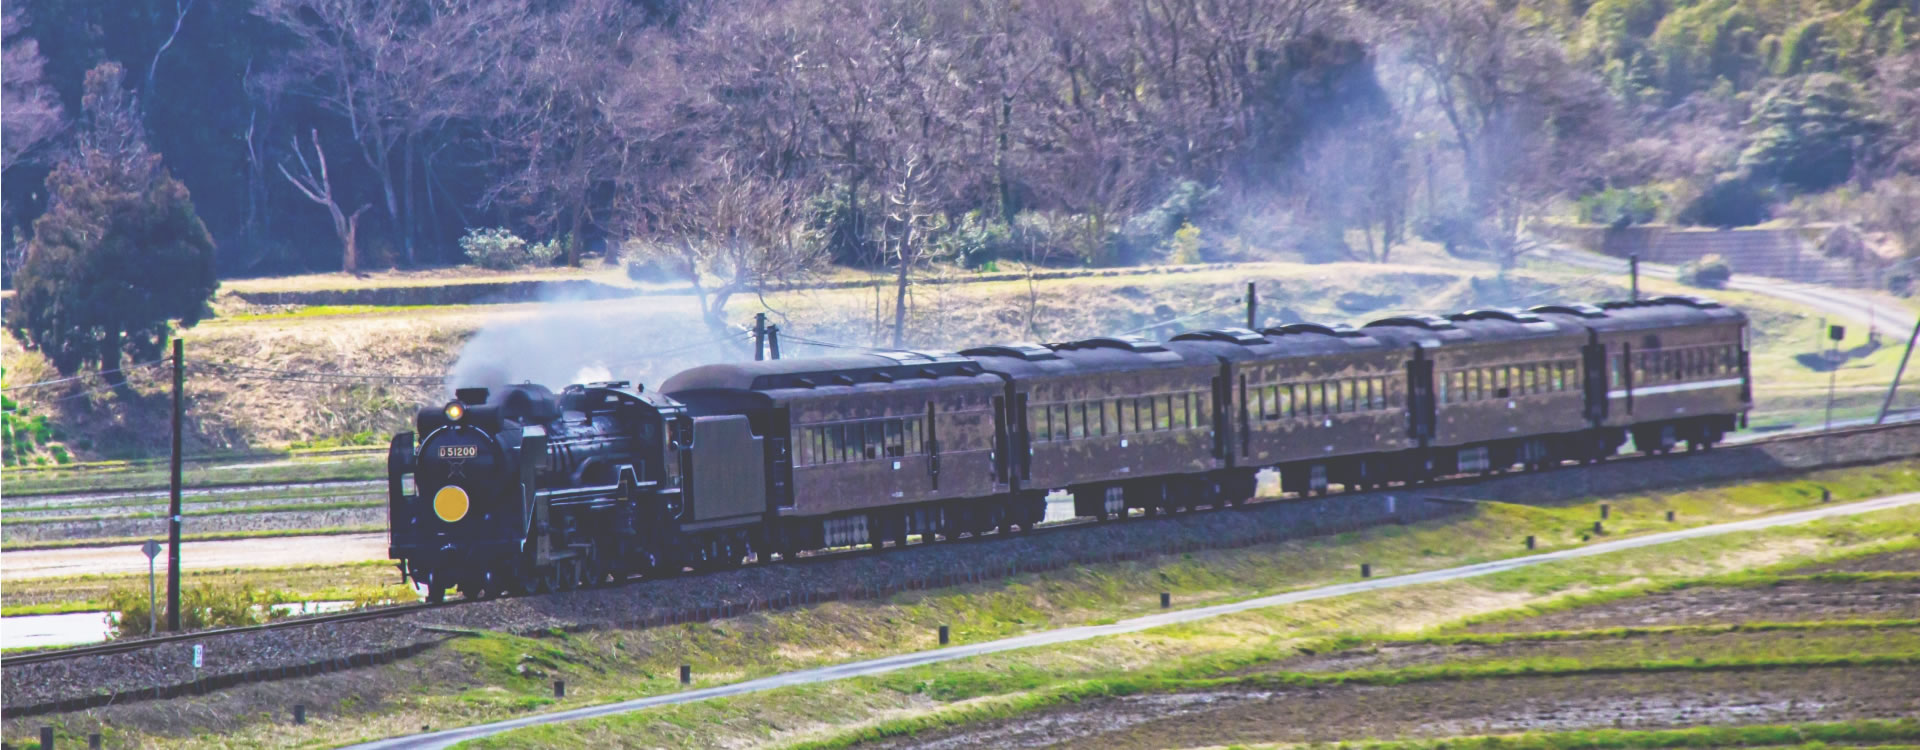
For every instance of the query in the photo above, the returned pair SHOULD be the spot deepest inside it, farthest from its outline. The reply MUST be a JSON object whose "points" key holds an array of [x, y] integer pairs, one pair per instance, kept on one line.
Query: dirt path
{"points": [[1450, 708], [234, 553]]}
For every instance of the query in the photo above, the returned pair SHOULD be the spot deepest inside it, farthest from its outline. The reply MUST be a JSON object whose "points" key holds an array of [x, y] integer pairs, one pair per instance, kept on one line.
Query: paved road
{"points": [[231, 553], [1067, 635]]}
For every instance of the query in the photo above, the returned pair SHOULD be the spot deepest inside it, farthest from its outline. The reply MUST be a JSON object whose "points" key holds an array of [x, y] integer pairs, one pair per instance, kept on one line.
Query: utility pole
{"points": [[759, 336], [1897, 374], [173, 497], [1253, 307], [773, 341], [1633, 268]]}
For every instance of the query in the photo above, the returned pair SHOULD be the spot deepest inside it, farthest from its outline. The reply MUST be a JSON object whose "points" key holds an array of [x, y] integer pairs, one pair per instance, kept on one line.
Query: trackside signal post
{"points": [[173, 497], [151, 549]]}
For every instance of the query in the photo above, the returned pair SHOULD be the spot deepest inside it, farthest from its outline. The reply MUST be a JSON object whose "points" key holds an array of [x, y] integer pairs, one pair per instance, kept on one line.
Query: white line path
{"points": [[883, 665]]}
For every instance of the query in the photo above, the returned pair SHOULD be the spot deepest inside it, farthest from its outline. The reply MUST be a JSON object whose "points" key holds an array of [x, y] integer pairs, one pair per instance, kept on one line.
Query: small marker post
{"points": [[1366, 570], [686, 674], [1166, 600], [944, 635]]}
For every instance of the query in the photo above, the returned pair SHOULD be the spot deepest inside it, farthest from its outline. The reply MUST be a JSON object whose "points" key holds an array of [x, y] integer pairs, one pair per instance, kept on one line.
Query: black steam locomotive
{"points": [[523, 490]]}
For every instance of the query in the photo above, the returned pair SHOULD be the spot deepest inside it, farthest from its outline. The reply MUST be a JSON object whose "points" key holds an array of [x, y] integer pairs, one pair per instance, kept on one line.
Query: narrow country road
{"points": [[1888, 319], [227, 553], [1068, 635]]}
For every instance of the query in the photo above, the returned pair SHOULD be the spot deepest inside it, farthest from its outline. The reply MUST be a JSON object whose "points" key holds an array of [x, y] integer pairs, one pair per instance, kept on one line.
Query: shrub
{"points": [[1710, 271], [501, 250], [1186, 245], [200, 607], [976, 241], [1618, 207]]}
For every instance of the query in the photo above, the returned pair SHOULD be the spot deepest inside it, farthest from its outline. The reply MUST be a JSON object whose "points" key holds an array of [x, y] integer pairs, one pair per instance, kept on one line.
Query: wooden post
{"points": [[1604, 509], [1633, 268], [1166, 600], [1366, 570], [943, 635], [1669, 516], [1529, 541], [1253, 307], [299, 713], [1596, 528], [46, 738], [686, 674], [559, 688]]}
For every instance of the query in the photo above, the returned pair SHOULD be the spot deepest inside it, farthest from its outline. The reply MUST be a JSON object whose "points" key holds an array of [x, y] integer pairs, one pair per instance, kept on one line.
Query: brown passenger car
{"points": [[865, 447]]}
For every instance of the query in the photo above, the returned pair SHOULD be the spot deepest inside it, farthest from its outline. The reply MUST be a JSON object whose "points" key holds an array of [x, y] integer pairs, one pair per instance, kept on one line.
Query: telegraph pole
{"points": [[1633, 268], [759, 336], [1897, 374], [173, 497], [773, 341]]}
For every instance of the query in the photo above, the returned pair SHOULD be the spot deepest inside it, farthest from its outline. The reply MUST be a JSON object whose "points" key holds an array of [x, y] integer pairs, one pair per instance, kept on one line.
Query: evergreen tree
{"points": [[120, 255]]}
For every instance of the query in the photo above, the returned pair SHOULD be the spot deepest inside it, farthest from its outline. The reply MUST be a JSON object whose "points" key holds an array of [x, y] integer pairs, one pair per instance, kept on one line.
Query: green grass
{"points": [[216, 536], [199, 477], [289, 508], [364, 581], [237, 497], [323, 311]]}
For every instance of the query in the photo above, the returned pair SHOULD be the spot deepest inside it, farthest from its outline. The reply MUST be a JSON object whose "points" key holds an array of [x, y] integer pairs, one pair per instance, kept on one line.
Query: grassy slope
{"points": [[1172, 657], [504, 675]]}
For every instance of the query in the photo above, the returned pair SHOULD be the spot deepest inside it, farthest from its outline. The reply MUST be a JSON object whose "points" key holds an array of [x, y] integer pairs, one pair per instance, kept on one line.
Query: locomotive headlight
{"points": [[455, 411], [450, 503]]}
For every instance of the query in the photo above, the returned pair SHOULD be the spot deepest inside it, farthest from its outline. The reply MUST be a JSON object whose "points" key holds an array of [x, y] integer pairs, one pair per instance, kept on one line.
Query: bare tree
{"points": [[319, 189], [1524, 121], [910, 223], [574, 104], [29, 117], [728, 231], [180, 10], [29, 111], [394, 70]]}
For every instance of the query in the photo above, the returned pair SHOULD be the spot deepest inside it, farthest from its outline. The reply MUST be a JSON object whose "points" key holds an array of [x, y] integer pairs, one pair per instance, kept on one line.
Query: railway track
{"points": [[377, 613]]}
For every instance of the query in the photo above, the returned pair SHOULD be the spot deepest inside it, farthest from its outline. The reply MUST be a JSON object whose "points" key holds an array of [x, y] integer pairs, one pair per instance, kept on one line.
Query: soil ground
{"points": [[1441, 709], [1651, 699], [1902, 561], [1788, 601], [1600, 651]]}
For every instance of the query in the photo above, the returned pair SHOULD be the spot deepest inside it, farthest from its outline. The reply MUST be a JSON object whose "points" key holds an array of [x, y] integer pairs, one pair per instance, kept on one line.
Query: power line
{"points": [[85, 375], [1188, 316]]}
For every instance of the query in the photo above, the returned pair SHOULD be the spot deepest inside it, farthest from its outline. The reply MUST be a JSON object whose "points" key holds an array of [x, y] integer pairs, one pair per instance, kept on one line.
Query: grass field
{"points": [[474, 679], [366, 581]]}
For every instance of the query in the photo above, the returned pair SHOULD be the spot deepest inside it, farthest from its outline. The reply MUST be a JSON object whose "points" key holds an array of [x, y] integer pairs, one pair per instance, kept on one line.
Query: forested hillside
{"points": [[757, 138]]}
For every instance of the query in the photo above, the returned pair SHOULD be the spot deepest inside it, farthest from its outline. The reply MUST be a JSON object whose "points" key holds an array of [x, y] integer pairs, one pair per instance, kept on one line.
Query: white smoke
{"points": [[564, 341]]}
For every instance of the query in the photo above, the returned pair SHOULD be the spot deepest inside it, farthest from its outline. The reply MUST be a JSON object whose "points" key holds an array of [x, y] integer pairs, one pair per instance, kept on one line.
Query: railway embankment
{"points": [[987, 565]]}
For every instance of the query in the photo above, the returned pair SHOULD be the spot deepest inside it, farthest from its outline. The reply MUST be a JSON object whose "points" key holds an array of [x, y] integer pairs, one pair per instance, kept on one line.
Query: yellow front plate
{"points": [[450, 503]]}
